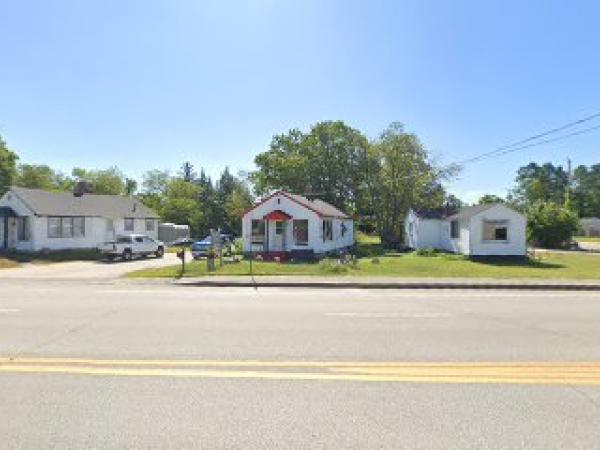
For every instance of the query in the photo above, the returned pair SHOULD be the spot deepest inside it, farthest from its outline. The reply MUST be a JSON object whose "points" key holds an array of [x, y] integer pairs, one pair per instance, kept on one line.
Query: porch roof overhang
{"points": [[7, 211], [277, 215]]}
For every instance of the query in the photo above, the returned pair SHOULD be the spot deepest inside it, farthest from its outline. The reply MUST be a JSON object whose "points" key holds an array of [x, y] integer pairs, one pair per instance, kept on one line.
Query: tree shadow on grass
{"points": [[512, 261]]}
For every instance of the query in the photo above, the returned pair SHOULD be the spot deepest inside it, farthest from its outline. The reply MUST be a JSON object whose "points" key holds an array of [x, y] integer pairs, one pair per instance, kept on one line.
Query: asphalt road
{"points": [[119, 365]]}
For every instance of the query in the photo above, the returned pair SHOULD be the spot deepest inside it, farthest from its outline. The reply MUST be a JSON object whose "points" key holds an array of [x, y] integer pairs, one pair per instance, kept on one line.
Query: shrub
{"points": [[238, 246], [332, 266], [550, 225], [427, 252]]}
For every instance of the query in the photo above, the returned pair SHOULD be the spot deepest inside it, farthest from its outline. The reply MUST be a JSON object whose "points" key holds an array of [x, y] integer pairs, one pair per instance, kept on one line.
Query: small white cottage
{"points": [[285, 224], [482, 230], [33, 220]]}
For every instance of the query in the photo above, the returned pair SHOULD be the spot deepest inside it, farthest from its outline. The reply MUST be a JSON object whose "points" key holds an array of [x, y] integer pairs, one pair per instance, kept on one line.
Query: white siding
{"points": [[12, 201], [456, 245], [95, 230], [432, 233], [424, 233], [298, 212], [515, 245]]}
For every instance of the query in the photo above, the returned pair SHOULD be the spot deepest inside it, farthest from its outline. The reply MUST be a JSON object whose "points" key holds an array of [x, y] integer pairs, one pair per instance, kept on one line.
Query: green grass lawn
{"points": [[374, 261], [548, 266], [587, 238]]}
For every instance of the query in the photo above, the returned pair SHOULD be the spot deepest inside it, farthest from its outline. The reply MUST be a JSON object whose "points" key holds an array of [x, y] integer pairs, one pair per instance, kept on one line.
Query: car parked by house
{"points": [[200, 248], [128, 246]]}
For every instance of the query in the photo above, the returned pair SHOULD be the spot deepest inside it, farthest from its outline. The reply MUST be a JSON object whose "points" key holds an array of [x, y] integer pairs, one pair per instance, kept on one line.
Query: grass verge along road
{"points": [[547, 266]]}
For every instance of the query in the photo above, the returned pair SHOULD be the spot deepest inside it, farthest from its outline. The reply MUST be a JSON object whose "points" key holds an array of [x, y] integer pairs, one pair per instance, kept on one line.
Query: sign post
{"points": [[181, 256]]}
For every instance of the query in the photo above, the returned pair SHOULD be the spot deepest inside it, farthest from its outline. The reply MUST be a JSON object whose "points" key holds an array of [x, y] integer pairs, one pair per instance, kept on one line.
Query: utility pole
{"points": [[569, 184]]}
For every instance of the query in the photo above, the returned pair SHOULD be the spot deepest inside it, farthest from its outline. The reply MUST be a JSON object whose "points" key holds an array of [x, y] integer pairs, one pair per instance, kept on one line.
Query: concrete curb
{"points": [[390, 285]]}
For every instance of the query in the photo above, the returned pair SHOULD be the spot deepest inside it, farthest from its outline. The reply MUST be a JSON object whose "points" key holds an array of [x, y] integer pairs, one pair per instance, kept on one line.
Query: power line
{"points": [[548, 141], [509, 147]]}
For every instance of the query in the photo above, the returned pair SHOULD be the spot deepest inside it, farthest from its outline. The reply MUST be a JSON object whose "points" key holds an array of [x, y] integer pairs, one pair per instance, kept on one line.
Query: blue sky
{"points": [[149, 84]]}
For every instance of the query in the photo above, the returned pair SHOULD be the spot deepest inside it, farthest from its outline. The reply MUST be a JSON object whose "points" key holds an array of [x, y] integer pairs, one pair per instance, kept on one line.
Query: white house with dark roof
{"points": [[33, 220], [285, 224], [482, 230]]}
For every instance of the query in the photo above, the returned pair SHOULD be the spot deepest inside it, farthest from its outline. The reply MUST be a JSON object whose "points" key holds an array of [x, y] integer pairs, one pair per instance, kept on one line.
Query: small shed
{"points": [[481, 230]]}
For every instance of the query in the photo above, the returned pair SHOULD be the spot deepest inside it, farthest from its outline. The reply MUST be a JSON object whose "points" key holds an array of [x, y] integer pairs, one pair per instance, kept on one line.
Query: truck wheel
{"points": [[160, 252], [127, 255]]}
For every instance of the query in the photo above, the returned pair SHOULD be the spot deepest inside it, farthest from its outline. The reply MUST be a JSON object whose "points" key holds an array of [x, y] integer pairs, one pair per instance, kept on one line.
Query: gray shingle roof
{"points": [[319, 206], [469, 211], [435, 213], [44, 203], [453, 214]]}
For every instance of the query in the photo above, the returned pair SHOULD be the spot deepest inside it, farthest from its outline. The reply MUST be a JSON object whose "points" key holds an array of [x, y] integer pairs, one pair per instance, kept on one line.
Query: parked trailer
{"points": [[170, 232]]}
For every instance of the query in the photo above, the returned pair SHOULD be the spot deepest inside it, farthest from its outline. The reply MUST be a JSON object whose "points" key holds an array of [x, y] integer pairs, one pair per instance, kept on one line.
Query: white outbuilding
{"points": [[33, 220], [291, 225], [482, 230]]}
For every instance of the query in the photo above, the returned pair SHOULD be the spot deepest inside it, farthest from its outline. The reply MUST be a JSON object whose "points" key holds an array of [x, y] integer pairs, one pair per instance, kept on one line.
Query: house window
{"points": [[258, 231], [66, 227], [279, 227], [495, 231], [78, 227], [454, 229], [53, 227], [327, 230], [149, 224], [343, 229], [23, 228], [301, 232], [128, 224]]}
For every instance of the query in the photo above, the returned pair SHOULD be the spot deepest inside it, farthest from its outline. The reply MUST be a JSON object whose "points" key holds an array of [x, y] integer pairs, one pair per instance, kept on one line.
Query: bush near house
{"points": [[550, 225]]}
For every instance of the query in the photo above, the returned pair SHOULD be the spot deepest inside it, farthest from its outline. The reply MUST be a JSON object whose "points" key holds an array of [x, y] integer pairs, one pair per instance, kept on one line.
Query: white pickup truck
{"points": [[129, 245]]}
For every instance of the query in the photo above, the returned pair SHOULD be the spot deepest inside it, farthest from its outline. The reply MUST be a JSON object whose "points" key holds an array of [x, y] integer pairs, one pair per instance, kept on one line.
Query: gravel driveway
{"points": [[85, 270]]}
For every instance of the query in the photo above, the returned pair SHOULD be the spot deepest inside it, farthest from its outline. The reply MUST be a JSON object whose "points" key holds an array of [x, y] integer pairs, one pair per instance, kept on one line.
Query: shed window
{"points": [[301, 232], [327, 230], [495, 231], [128, 224], [454, 229], [258, 231]]}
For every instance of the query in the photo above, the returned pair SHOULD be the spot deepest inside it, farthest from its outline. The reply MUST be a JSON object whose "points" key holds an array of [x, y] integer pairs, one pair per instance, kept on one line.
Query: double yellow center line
{"points": [[553, 373]]}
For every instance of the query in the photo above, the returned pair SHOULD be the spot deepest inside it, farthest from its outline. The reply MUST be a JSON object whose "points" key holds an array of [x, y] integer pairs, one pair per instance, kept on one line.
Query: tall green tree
{"points": [[488, 199], [535, 183], [130, 186], [108, 181], [586, 194], [403, 177], [8, 167], [180, 204], [330, 161], [41, 176]]}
